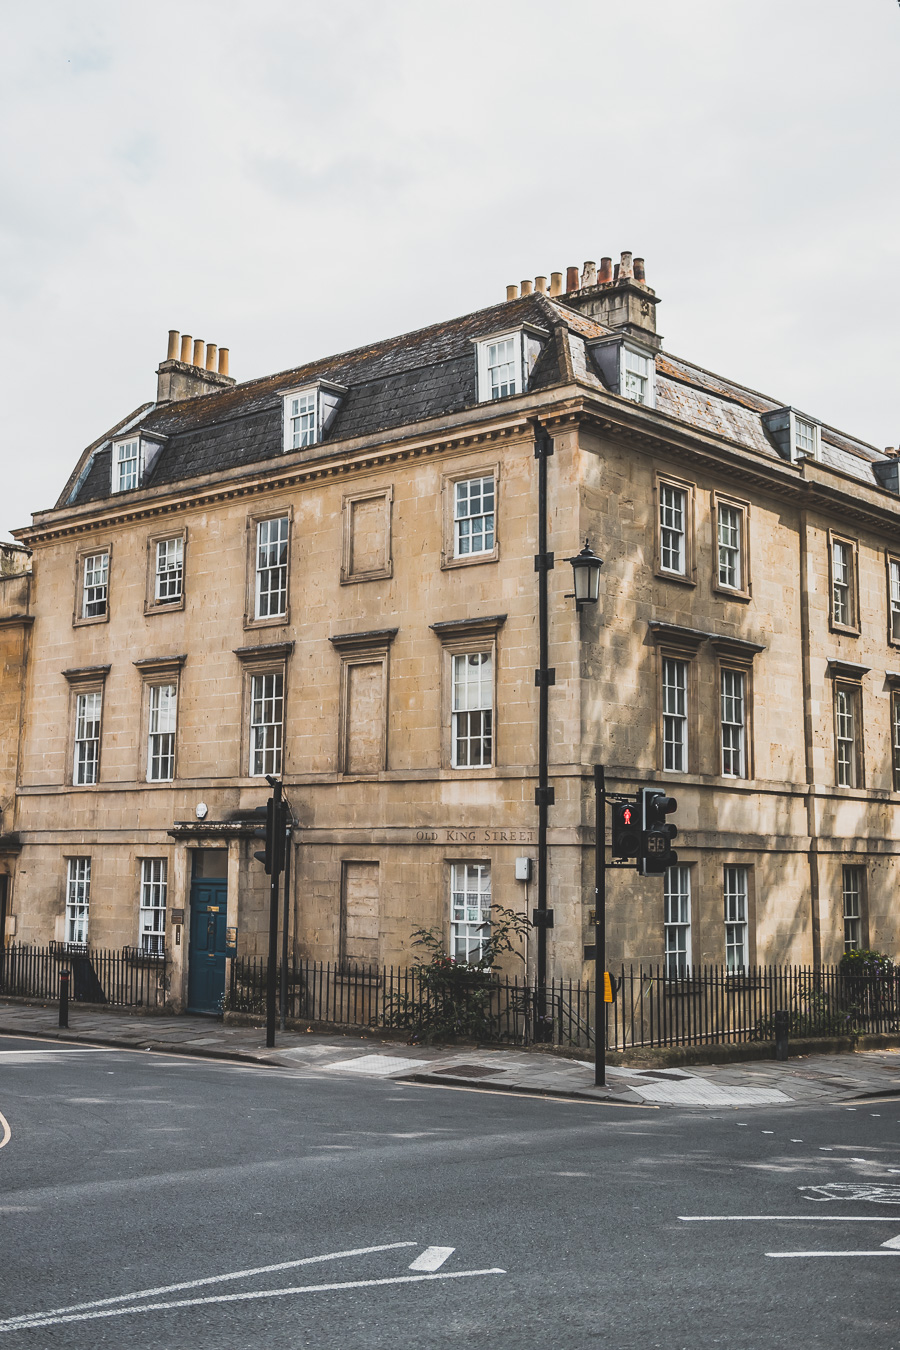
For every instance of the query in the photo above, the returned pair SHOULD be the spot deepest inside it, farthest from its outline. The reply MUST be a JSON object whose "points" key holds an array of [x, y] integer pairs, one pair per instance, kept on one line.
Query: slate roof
{"points": [[428, 374]]}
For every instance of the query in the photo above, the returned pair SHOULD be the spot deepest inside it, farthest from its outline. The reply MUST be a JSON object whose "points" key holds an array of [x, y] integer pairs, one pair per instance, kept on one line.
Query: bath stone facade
{"points": [[329, 574]]}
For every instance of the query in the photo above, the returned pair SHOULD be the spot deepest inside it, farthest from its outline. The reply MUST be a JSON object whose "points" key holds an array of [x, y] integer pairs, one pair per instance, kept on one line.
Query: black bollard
{"points": [[64, 998], [782, 1027]]}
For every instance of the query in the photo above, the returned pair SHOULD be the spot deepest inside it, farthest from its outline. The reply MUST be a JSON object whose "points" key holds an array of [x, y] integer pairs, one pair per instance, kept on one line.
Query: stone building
{"points": [[15, 623], [329, 574]]}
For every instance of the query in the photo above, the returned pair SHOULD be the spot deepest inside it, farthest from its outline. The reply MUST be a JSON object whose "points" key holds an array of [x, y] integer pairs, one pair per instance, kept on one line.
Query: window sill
{"points": [[743, 597], [376, 574], [847, 629], [678, 577], [279, 621], [164, 606], [94, 618], [470, 559]]}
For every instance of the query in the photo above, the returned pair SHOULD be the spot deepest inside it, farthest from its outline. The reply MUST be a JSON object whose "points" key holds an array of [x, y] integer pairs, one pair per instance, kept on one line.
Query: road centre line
{"points": [[27, 1318], [878, 1252], [20, 1325], [787, 1218]]}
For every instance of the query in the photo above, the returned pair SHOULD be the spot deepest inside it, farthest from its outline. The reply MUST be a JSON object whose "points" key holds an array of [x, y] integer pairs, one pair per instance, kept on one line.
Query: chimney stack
{"points": [[185, 375], [618, 297]]}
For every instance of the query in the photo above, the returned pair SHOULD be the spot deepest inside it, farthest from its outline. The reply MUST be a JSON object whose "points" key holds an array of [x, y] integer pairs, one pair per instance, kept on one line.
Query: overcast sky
{"points": [[291, 179]]}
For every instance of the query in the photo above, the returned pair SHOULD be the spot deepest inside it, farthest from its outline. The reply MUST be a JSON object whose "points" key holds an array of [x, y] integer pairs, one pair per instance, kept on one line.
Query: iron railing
{"points": [[653, 1009], [125, 978]]}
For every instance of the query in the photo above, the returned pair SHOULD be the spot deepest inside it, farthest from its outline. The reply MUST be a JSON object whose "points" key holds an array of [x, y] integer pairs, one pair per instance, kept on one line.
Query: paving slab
{"points": [[811, 1079]]}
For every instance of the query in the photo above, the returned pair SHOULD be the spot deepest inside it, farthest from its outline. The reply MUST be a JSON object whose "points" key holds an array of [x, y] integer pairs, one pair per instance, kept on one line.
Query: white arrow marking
{"points": [[892, 1242], [432, 1258], [10, 1322], [240, 1298]]}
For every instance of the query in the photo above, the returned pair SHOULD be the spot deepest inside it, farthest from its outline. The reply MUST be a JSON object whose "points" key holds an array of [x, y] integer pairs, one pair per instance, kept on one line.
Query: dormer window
{"points": [[796, 436], [806, 438], [309, 412], [126, 465], [637, 376], [626, 368], [505, 362]]}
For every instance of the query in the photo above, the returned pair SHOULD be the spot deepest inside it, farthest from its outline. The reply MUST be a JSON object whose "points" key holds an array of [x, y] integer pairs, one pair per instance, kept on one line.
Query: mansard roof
{"points": [[424, 375]]}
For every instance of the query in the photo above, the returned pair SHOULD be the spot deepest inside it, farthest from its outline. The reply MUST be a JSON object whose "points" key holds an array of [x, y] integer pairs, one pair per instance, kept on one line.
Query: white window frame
{"points": [[673, 528], [127, 464], [271, 578], [95, 585], [88, 724], [301, 419], [470, 910], [804, 437], [78, 899], [841, 583], [266, 722], [168, 579], [637, 372], [733, 721], [472, 710], [162, 719], [677, 921], [851, 906], [895, 738], [846, 735], [526, 344], [675, 700], [474, 531], [154, 887], [729, 538], [893, 566], [736, 891]]}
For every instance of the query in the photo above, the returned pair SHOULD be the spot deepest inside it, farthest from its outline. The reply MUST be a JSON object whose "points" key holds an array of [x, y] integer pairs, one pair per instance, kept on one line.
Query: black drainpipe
{"points": [[544, 677]]}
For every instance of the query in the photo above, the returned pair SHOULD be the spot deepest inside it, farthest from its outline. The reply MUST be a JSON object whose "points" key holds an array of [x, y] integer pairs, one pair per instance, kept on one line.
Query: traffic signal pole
{"points": [[599, 925]]}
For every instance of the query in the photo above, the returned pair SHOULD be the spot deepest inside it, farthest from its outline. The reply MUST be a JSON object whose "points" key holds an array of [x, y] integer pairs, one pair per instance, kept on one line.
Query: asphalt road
{"points": [[160, 1201]]}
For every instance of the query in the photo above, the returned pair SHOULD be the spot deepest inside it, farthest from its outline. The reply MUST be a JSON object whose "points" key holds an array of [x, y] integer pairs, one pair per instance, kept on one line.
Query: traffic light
{"points": [[626, 829], [272, 857], [656, 854]]}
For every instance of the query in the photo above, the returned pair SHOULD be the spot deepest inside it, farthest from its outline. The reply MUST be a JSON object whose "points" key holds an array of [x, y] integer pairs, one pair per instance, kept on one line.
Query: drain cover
{"points": [[469, 1071]]}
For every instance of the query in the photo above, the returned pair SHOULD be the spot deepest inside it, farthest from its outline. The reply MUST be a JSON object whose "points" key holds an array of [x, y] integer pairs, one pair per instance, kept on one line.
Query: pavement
{"points": [[803, 1080]]}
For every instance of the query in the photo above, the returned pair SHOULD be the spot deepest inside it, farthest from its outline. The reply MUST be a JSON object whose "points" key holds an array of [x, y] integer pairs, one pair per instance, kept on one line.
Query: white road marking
{"points": [[892, 1242], [432, 1258], [10, 1055], [787, 1218], [8, 1322], [5, 1131], [877, 1252], [20, 1325]]}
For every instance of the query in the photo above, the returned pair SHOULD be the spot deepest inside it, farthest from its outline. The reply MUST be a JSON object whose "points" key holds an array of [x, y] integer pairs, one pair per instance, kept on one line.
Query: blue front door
{"points": [[206, 954]]}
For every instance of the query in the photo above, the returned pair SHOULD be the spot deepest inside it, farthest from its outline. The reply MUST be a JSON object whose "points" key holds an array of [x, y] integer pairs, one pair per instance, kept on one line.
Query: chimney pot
{"points": [[527, 287], [589, 274], [556, 283], [571, 279], [606, 270], [210, 356], [197, 359], [512, 292], [223, 360], [639, 274], [172, 353], [540, 285], [185, 348], [625, 268]]}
